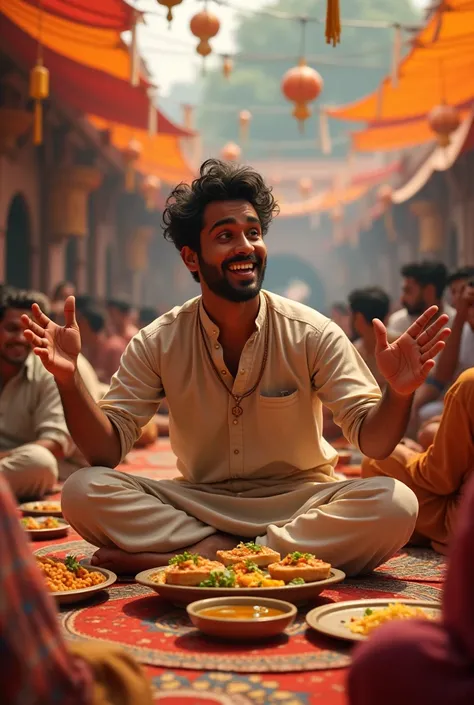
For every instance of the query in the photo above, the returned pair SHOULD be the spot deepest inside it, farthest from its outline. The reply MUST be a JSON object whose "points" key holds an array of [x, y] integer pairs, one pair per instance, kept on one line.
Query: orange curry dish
{"points": [[68, 574]]}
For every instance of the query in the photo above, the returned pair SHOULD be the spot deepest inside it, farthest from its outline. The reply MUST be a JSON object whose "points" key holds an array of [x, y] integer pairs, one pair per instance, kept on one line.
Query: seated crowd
{"points": [[246, 375]]}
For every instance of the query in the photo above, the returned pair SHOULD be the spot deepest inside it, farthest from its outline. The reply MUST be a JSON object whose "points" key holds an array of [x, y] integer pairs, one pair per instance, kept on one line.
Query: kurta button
{"points": [[223, 372], [236, 452], [235, 422], [242, 372], [217, 346]]}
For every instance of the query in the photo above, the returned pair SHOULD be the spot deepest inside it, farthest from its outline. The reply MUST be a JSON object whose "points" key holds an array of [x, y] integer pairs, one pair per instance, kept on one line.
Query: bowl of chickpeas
{"points": [[68, 581]]}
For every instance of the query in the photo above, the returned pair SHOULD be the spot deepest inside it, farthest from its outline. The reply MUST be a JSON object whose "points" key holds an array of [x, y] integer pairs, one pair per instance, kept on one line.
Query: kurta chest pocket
{"points": [[279, 400]]}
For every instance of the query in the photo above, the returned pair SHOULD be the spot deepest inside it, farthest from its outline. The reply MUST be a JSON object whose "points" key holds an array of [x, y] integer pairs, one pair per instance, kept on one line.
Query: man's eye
{"points": [[225, 235], [254, 233]]}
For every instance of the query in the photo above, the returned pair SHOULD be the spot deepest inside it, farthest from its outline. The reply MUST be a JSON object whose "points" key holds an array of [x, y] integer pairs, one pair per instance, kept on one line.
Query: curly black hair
{"points": [[218, 181]]}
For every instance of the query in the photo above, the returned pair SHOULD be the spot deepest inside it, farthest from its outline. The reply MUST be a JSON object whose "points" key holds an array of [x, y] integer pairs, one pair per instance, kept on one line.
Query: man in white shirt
{"points": [[245, 374], [423, 286]]}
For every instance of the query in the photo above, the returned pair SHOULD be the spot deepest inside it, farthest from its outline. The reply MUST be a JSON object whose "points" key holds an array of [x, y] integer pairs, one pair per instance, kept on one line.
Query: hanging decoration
{"points": [[39, 86], [302, 84], [444, 120], [169, 4], [324, 134], [131, 154], [384, 197], [333, 22], [231, 152], [204, 26], [305, 186], [150, 189], [227, 66], [245, 117], [396, 53]]}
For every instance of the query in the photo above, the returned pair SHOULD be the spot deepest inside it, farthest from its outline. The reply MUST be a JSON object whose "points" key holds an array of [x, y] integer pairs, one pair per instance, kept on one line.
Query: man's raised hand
{"points": [[57, 346]]}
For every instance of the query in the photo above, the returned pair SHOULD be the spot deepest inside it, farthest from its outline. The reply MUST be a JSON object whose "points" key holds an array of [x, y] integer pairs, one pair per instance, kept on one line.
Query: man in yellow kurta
{"points": [[245, 374]]}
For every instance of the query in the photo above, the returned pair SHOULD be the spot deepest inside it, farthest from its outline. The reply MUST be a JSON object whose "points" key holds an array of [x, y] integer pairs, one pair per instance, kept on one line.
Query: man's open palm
{"points": [[406, 363], [57, 346]]}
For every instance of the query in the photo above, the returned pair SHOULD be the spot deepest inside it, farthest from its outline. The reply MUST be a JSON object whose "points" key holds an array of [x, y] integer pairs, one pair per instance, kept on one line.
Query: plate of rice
{"points": [[358, 619]]}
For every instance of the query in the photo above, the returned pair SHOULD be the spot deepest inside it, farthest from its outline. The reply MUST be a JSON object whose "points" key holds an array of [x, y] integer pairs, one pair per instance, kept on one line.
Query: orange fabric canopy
{"points": [[98, 48], [161, 154], [382, 137], [110, 14], [327, 201], [439, 67]]}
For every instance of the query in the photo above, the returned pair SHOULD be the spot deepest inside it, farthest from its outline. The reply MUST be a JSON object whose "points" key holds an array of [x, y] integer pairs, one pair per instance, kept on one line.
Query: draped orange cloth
{"points": [[109, 14]]}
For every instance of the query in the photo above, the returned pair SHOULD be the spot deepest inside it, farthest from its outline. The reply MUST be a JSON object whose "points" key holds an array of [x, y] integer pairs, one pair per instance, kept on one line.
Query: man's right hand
{"points": [[57, 346]]}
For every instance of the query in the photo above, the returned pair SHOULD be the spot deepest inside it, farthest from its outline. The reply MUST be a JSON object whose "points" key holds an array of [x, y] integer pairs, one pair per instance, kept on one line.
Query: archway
{"points": [[18, 244], [291, 276]]}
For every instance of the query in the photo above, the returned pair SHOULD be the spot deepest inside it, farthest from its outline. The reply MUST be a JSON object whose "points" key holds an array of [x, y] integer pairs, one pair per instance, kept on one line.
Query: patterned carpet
{"points": [[299, 668]]}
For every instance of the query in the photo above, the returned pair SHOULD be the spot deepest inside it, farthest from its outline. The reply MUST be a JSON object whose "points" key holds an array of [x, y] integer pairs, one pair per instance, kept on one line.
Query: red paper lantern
{"points": [[301, 85], [204, 26], [245, 117], [444, 120], [231, 152], [169, 4]]}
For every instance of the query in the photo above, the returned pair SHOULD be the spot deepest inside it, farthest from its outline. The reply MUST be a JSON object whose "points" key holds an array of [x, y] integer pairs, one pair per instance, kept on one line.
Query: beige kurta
{"points": [[279, 435], [267, 474]]}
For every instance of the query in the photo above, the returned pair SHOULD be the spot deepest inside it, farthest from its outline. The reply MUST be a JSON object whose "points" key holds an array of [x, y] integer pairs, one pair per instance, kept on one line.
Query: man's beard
{"points": [[417, 308], [217, 279]]}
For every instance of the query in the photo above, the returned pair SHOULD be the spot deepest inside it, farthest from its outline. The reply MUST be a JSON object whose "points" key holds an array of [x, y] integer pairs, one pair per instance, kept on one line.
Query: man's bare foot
{"points": [[124, 563]]}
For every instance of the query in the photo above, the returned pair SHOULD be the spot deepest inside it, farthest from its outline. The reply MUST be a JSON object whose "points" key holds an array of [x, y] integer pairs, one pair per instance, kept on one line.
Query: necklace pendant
{"points": [[237, 410]]}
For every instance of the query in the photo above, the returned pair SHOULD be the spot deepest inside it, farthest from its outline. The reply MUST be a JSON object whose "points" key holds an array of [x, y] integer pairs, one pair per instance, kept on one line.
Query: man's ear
{"points": [[189, 258]]}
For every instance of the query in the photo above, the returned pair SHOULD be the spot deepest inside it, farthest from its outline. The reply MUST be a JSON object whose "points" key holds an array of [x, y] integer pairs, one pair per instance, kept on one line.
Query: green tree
{"points": [[255, 83]]}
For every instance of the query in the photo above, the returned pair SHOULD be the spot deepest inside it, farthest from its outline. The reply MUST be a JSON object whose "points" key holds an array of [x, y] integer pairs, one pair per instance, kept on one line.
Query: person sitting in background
{"points": [[423, 662], [58, 297], [423, 286], [340, 314], [439, 474], [455, 358], [33, 432], [365, 305], [103, 352], [38, 666], [121, 318], [146, 315]]}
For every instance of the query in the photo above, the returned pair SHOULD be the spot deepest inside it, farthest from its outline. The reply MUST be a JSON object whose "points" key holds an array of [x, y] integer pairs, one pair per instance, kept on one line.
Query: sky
{"points": [[169, 52]]}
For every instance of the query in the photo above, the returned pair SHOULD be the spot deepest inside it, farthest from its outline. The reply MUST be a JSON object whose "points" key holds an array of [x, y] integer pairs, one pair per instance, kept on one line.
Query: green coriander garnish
{"points": [[251, 566], [368, 612], [183, 557], [297, 581], [72, 563], [220, 578], [255, 547], [295, 557]]}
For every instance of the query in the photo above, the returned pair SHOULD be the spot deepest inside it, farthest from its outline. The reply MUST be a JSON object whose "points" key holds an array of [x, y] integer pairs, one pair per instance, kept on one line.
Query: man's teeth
{"points": [[241, 266]]}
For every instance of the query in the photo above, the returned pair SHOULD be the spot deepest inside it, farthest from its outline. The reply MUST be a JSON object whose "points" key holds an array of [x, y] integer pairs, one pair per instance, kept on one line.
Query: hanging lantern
{"points": [[169, 4], [231, 152], [204, 26], [131, 154], [444, 120], [384, 195], [301, 85], [245, 116], [150, 189], [227, 66], [39, 91], [305, 187]]}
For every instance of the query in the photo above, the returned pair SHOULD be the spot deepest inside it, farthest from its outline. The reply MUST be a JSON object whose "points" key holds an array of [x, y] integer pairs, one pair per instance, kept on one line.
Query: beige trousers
{"points": [[355, 525], [30, 470]]}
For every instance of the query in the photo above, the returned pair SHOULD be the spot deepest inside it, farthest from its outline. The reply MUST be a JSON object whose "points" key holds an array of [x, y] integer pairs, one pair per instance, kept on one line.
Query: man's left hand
{"points": [[406, 363]]}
